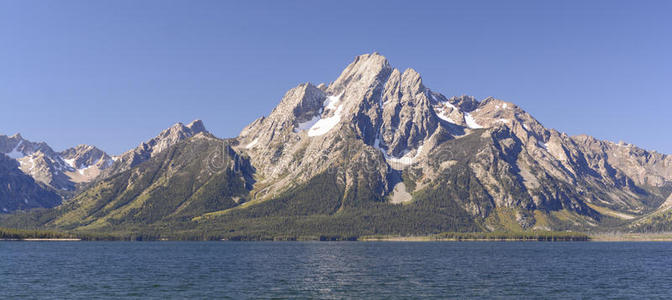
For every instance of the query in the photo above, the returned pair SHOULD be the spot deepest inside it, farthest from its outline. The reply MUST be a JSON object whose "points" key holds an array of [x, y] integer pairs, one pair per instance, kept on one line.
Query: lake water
{"points": [[85, 270]]}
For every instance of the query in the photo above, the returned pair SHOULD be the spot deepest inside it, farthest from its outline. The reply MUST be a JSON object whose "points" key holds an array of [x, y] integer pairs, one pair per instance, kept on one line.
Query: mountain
{"points": [[152, 147], [68, 171], [374, 152], [56, 170], [385, 133], [174, 183], [19, 191], [85, 162]]}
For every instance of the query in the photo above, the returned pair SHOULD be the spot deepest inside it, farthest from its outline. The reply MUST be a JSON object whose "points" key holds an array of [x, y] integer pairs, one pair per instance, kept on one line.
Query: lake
{"points": [[84, 270]]}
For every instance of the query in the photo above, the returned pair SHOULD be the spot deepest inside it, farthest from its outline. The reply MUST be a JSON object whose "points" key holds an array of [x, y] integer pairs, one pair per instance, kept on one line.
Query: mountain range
{"points": [[373, 152]]}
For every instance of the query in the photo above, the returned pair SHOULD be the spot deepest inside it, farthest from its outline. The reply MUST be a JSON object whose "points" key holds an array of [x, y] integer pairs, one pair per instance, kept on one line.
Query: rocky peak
{"points": [[48, 168], [146, 150], [37, 160], [196, 126], [16, 146], [411, 79], [383, 107], [83, 156], [171, 136], [301, 103], [362, 71]]}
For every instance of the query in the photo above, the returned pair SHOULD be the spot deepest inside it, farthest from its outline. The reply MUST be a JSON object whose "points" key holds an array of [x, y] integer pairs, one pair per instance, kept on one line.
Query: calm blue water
{"points": [[85, 270]]}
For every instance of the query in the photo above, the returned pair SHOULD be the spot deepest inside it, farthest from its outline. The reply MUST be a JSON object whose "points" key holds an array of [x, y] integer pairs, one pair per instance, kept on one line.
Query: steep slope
{"points": [[199, 175], [19, 191], [37, 160]]}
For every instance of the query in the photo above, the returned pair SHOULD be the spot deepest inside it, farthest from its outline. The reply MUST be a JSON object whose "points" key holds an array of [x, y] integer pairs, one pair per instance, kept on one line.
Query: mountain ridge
{"points": [[382, 147], [69, 171]]}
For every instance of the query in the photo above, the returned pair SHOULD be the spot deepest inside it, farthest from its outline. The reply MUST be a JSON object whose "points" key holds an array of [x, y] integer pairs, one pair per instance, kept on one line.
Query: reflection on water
{"points": [[334, 270]]}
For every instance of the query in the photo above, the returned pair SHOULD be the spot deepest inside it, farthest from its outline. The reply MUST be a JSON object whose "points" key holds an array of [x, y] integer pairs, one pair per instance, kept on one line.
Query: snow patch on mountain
{"points": [[252, 143], [441, 113], [15, 153], [82, 170], [323, 126], [406, 159], [442, 116], [471, 123], [307, 124], [70, 162]]}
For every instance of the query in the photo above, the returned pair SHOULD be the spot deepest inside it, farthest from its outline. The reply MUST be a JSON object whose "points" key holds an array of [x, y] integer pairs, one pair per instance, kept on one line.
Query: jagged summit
{"points": [[196, 126], [363, 69], [148, 149], [182, 130], [86, 162]]}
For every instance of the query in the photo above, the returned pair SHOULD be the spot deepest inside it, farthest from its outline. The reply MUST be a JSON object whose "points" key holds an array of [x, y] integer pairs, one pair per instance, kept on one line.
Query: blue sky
{"points": [[115, 73]]}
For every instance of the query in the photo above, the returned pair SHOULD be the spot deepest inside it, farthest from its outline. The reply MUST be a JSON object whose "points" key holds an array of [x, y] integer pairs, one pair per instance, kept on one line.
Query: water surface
{"points": [[85, 270]]}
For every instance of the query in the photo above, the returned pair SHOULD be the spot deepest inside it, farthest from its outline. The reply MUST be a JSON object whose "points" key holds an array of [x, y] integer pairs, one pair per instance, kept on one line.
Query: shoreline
{"points": [[386, 239], [625, 237], [632, 237], [42, 240], [429, 239]]}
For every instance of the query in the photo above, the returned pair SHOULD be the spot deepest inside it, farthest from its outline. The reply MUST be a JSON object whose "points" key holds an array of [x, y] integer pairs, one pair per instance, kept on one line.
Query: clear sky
{"points": [[115, 73]]}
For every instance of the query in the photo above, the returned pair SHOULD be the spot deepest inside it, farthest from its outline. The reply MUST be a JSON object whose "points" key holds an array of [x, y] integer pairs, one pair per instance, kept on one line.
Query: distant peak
{"points": [[412, 75], [17, 135], [197, 126], [194, 127]]}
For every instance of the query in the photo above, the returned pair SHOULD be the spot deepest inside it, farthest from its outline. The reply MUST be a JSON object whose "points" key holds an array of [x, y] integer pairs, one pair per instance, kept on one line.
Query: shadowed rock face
{"points": [[19, 191]]}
